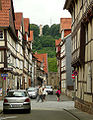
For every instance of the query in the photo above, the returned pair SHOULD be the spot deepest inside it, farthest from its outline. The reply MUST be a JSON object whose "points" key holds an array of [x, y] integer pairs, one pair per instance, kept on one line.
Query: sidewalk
{"points": [[80, 115]]}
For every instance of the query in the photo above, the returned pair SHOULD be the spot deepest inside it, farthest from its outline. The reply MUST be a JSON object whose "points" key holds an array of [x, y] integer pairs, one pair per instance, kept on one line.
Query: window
{"points": [[1, 34], [1, 56], [17, 62], [21, 65], [21, 50]]}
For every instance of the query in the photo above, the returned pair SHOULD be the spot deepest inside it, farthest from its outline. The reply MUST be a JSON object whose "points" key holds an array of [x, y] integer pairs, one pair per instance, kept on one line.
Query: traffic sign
{"points": [[4, 75], [75, 73], [73, 76]]}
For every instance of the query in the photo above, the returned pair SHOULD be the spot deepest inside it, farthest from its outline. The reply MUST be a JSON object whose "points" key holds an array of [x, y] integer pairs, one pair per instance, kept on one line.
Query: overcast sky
{"points": [[41, 11]]}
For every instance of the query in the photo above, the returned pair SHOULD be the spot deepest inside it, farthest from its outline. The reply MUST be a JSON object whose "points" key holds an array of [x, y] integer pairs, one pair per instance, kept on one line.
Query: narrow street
{"points": [[47, 110]]}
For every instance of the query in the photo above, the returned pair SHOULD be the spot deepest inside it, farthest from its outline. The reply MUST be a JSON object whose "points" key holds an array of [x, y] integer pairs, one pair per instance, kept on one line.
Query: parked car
{"points": [[49, 89], [16, 100], [32, 92]]}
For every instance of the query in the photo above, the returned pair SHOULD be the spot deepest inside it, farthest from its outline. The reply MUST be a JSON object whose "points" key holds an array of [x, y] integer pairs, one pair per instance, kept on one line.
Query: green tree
{"points": [[52, 63], [35, 29], [46, 43], [46, 30], [54, 30]]}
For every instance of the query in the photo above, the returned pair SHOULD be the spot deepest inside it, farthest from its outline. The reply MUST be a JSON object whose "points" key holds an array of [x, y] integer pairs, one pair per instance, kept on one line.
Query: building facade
{"points": [[65, 56], [58, 48], [15, 49], [41, 68], [82, 47], [8, 40]]}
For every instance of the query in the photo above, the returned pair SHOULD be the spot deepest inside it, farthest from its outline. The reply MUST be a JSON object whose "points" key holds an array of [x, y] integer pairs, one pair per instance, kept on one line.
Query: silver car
{"points": [[32, 91], [16, 100], [49, 89]]}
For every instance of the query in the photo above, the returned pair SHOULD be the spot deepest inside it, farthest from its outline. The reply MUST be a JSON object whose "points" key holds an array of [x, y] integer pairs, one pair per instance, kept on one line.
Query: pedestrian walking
{"points": [[40, 94], [8, 89], [44, 94], [58, 92]]}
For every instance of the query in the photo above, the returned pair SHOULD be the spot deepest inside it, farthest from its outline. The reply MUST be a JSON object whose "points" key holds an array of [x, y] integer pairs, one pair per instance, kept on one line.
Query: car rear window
{"points": [[48, 87], [32, 89], [16, 94]]}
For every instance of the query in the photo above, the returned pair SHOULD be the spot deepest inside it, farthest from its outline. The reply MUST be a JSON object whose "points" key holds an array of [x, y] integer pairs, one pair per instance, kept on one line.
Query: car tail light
{"points": [[27, 100], [5, 101]]}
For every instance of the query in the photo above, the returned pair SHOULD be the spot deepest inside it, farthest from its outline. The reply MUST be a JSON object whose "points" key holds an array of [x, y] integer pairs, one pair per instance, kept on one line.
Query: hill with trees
{"points": [[46, 43]]}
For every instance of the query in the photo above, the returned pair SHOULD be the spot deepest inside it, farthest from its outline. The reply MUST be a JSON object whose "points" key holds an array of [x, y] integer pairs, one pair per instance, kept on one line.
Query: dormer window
{"points": [[1, 34]]}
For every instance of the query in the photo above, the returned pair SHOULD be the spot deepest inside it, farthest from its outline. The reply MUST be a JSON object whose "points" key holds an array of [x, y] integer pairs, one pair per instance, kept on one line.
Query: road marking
{"points": [[4, 118]]}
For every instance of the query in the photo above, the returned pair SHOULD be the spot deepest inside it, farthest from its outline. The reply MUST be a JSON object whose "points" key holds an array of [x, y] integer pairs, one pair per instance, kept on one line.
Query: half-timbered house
{"points": [[82, 48]]}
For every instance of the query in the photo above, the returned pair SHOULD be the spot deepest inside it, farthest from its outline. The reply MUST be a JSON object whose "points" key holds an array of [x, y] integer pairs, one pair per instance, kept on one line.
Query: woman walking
{"points": [[58, 92]]}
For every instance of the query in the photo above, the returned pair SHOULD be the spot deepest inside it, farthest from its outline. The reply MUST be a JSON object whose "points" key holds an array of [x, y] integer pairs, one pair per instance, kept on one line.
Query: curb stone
{"points": [[72, 114]]}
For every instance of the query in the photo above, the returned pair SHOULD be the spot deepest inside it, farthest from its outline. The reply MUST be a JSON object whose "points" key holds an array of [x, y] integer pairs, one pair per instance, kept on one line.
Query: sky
{"points": [[42, 12]]}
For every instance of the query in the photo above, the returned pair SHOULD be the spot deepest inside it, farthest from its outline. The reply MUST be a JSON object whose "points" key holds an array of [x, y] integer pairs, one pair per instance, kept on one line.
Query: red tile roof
{"points": [[31, 36], [18, 20], [65, 23], [43, 58], [57, 42], [5, 4], [4, 18], [4, 13], [26, 24]]}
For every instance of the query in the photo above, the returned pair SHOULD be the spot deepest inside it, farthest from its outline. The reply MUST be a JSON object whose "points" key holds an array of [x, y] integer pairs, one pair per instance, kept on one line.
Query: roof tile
{"points": [[18, 20], [26, 24], [65, 23], [4, 18], [5, 13], [57, 42], [43, 58]]}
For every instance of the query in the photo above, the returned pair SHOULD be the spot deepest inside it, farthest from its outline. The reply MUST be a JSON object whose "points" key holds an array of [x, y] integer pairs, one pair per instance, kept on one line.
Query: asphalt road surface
{"points": [[39, 115], [48, 110]]}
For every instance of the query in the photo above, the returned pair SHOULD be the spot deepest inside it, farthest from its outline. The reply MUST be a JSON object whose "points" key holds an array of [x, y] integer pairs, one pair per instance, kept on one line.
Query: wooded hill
{"points": [[46, 43]]}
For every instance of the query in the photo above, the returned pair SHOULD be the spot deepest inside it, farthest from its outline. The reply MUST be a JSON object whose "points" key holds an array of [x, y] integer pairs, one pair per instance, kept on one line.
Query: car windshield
{"points": [[16, 94]]}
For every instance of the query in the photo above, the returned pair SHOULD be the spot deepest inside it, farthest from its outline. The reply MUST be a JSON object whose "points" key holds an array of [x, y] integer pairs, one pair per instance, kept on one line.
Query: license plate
{"points": [[15, 106]]}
